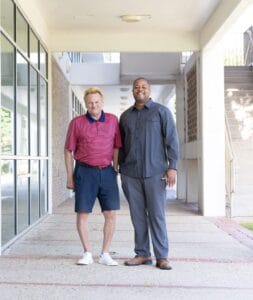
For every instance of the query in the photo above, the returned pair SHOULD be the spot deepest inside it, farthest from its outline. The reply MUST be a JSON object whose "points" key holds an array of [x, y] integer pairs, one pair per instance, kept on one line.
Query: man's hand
{"points": [[171, 176], [70, 183]]}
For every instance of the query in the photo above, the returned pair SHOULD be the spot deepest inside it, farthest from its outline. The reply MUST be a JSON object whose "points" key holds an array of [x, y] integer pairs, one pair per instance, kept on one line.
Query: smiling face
{"points": [[141, 91], [94, 104]]}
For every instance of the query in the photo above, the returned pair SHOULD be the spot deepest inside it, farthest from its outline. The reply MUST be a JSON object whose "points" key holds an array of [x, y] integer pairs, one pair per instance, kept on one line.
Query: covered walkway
{"points": [[211, 259]]}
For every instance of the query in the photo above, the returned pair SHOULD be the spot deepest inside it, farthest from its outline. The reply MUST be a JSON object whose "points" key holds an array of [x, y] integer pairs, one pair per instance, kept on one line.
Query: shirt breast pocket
{"points": [[153, 123]]}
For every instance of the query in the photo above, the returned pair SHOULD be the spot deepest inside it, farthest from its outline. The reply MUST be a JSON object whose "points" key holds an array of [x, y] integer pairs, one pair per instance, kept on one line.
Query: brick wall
{"points": [[191, 113], [60, 120]]}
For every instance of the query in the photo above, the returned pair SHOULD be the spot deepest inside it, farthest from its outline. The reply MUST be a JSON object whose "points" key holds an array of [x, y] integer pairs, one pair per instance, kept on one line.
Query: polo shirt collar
{"points": [[91, 120]]}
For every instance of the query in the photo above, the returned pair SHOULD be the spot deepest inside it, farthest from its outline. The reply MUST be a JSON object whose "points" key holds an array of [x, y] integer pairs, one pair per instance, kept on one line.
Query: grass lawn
{"points": [[247, 225]]}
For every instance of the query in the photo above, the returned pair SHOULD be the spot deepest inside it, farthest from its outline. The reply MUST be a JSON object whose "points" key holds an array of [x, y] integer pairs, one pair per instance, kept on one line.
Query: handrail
{"points": [[229, 138], [239, 53], [249, 32], [229, 164]]}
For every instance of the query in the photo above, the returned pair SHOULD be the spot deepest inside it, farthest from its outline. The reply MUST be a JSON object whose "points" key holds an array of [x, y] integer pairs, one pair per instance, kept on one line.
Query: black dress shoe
{"points": [[163, 264], [138, 260]]}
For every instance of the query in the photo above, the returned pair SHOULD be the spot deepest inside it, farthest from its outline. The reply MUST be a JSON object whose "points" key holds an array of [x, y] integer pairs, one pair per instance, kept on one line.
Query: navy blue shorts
{"points": [[92, 183]]}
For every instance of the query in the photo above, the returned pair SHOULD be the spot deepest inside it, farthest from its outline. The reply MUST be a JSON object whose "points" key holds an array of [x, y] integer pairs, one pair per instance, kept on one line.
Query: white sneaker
{"points": [[86, 259], [105, 259]]}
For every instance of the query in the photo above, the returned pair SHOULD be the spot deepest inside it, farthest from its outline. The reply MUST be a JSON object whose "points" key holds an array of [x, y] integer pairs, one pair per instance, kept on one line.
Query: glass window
{"points": [[33, 50], [22, 195], [7, 16], [33, 113], [43, 61], [23, 127], [7, 97], [34, 191], [77, 107], [43, 117], [22, 32], [7, 200], [43, 187], [22, 106]]}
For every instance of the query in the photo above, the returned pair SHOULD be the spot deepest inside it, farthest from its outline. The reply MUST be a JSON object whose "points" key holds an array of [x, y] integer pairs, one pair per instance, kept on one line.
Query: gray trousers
{"points": [[147, 199]]}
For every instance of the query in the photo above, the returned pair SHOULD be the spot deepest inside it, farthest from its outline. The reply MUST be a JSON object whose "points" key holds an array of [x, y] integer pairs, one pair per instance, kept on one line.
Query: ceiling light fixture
{"points": [[133, 18]]}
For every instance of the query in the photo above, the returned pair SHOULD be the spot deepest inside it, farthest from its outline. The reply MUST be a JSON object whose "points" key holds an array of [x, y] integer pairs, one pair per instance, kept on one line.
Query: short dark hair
{"points": [[140, 78]]}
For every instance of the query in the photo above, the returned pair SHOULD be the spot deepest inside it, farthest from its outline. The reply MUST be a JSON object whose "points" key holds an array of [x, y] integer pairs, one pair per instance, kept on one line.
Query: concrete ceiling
{"points": [[161, 15], [149, 48], [165, 25]]}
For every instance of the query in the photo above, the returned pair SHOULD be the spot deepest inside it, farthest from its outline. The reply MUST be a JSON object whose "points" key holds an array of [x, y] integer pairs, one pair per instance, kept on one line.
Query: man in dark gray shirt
{"points": [[148, 162]]}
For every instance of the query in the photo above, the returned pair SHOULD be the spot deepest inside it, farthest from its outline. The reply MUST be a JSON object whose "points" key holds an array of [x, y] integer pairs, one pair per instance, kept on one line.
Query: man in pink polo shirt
{"points": [[93, 141]]}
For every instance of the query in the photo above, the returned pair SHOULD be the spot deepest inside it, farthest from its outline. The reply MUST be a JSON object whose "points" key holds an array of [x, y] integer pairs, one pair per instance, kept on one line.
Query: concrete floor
{"points": [[212, 258]]}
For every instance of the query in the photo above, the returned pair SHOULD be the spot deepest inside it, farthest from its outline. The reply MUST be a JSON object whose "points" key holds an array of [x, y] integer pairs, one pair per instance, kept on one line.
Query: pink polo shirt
{"points": [[93, 141]]}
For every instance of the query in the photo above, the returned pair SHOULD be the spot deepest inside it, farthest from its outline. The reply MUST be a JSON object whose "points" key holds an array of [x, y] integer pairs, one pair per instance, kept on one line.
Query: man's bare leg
{"points": [[109, 228], [82, 228]]}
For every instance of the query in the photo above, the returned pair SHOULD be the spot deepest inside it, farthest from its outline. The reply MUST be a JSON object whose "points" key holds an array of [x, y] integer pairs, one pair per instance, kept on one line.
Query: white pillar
{"points": [[212, 143]]}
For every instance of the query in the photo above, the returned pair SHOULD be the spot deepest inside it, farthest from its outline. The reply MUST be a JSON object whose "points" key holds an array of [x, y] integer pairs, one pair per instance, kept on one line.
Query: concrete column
{"points": [[212, 142]]}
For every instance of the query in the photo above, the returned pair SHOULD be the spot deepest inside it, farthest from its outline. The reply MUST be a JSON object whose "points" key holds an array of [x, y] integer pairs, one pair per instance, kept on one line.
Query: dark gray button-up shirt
{"points": [[149, 139]]}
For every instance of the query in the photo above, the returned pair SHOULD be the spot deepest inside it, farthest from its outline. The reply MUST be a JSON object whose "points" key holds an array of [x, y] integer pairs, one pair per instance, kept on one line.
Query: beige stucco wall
{"points": [[60, 120]]}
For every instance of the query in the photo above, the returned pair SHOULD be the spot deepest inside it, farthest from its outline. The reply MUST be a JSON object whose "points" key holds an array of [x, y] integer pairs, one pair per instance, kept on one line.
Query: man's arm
{"points": [[170, 137], [69, 168], [172, 147]]}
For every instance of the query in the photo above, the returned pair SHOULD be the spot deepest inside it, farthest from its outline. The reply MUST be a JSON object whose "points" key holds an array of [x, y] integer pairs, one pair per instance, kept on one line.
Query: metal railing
{"points": [[239, 50], [94, 57], [234, 51], [75, 57], [248, 47], [229, 166]]}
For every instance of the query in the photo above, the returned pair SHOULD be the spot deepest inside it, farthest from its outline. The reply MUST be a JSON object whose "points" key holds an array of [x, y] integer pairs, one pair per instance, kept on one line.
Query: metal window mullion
{"points": [[38, 133], [38, 115], [29, 192], [15, 138], [40, 214], [29, 128], [46, 119]]}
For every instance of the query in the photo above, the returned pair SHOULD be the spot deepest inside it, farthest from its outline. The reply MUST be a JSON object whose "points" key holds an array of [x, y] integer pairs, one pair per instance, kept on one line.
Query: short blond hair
{"points": [[92, 90]]}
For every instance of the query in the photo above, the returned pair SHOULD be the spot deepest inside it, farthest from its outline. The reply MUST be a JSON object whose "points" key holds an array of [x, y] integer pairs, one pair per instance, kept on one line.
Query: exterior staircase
{"points": [[239, 115]]}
